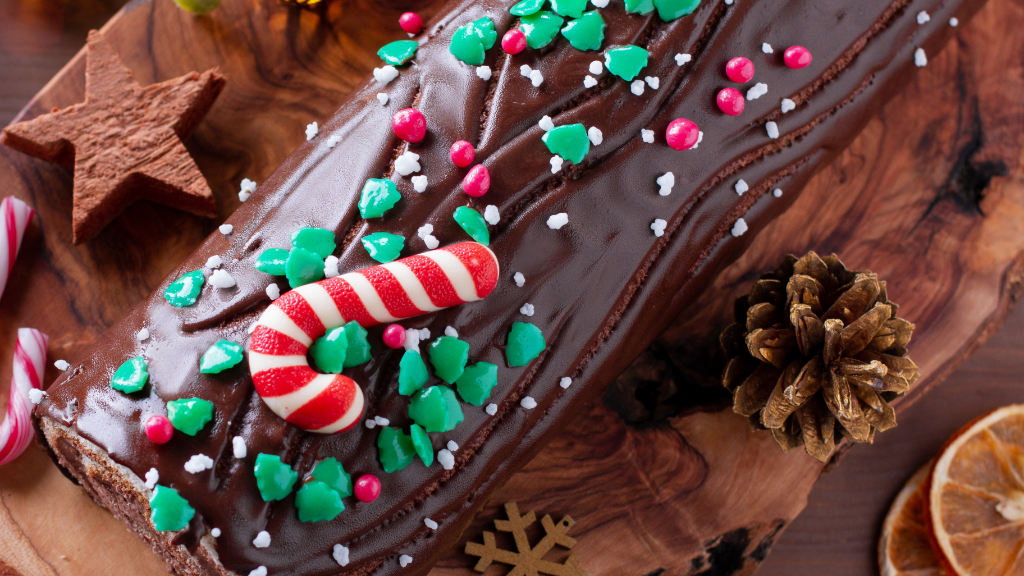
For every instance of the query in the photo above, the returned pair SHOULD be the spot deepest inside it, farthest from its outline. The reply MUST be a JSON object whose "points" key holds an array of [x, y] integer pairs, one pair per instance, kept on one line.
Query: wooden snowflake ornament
{"points": [[528, 561]]}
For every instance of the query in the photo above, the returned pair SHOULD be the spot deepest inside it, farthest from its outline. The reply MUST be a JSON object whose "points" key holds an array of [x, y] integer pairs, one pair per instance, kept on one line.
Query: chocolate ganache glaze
{"points": [[602, 286]]}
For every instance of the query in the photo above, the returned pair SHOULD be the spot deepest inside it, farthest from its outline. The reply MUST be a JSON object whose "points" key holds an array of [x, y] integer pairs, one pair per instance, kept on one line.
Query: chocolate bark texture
{"points": [[602, 286]]}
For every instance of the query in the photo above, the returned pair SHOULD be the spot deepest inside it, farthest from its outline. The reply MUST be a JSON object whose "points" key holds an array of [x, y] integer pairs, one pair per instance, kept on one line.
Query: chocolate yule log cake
{"points": [[261, 412]]}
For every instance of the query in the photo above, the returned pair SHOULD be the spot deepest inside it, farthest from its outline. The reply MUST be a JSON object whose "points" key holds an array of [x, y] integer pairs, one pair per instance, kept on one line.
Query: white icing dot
{"points": [[767, 48], [596, 67], [728, 2], [491, 214], [565, 383], [198, 462], [243, 196], [226, 229], [247, 188], [383, 98], [659, 227], [35, 395], [527, 309], [412, 339], [556, 163], [599, 3], [407, 163], [452, 446], [431, 242], [739, 228], [773, 130], [556, 221], [259, 571], [637, 87], [370, 424], [484, 72], [340, 554], [589, 81], [954, 22], [451, 332], [425, 230], [62, 365], [143, 335], [665, 182], [152, 477], [777, 193], [312, 129], [741, 187], [215, 532], [385, 74], [419, 183], [647, 136], [758, 90], [335, 139], [595, 135], [214, 261], [653, 81], [221, 279], [787, 105], [920, 58], [404, 560], [536, 78], [525, 70], [491, 409], [528, 402], [331, 267], [430, 523], [546, 124], [682, 59], [446, 459], [923, 17], [238, 448], [381, 421], [274, 291], [262, 539]]}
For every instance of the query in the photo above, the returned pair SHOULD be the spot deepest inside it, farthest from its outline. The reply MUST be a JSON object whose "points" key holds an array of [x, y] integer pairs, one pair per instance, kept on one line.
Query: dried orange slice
{"points": [[905, 548], [976, 497]]}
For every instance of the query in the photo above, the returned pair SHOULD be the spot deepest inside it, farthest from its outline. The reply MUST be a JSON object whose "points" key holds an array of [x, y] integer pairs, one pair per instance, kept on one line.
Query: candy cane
{"points": [[14, 217], [329, 403], [29, 360]]}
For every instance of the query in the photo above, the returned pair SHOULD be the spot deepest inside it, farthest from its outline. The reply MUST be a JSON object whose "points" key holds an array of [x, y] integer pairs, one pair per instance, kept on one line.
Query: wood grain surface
{"points": [[929, 197]]}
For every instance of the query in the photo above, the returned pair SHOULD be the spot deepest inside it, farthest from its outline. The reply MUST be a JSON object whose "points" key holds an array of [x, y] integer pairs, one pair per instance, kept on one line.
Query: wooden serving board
{"points": [[929, 196]]}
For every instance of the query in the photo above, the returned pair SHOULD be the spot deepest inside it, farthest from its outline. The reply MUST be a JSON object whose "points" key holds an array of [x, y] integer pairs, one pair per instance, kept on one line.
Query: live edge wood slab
{"points": [[658, 476]]}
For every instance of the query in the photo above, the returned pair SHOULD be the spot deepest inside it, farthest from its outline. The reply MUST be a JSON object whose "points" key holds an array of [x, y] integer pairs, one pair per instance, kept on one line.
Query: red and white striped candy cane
{"points": [[14, 217], [29, 361], [329, 403]]}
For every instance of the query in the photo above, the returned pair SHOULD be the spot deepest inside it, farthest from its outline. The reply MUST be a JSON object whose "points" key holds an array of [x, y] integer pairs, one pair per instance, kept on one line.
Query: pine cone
{"points": [[816, 344]]}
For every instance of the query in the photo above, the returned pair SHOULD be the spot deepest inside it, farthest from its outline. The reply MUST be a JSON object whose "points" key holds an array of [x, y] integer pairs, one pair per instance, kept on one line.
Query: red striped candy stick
{"points": [[14, 217], [329, 403], [29, 359]]}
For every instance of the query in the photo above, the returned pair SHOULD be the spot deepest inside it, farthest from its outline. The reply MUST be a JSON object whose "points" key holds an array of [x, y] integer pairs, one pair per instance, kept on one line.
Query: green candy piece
{"points": [[383, 247], [185, 290], [429, 409], [332, 473], [274, 478], [669, 10], [412, 373], [525, 342], [540, 28], [639, 6], [569, 8], [378, 196], [570, 142], [358, 351], [527, 7], [455, 415], [130, 376], [476, 382], [398, 52], [317, 502], [585, 32], [168, 510], [272, 261], [319, 241], [219, 357], [421, 443], [625, 61], [448, 356], [395, 449], [329, 351], [189, 415], [303, 267], [472, 40], [473, 223]]}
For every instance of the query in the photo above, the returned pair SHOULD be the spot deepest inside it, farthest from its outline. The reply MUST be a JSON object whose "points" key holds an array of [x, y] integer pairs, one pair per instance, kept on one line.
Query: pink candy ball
{"points": [[411, 22], [514, 41], [682, 134], [462, 153], [797, 57], [739, 69], [731, 101], [477, 182], [394, 336], [409, 125], [159, 429], [367, 488]]}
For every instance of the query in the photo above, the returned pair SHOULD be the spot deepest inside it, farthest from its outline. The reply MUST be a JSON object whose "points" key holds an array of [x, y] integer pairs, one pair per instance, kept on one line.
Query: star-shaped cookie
{"points": [[124, 142]]}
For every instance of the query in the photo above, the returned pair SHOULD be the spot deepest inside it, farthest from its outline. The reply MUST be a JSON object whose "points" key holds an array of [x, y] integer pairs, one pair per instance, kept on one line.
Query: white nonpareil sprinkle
{"points": [[370, 424], [198, 462], [214, 261], [665, 182], [741, 187], [491, 214], [491, 409], [595, 135], [484, 72], [766, 48], [430, 523], [331, 267], [556, 221], [546, 124], [431, 242], [404, 560], [954, 22], [923, 17], [143, 335], [920, 58], [262, 539], [259, 571], [556, 163], [536, 78], [62, 365], [226, 229], [728, 2], [446, 459], [407, 163], [152, 477], [596, 67], [565, 383], [589, 81], [419, 183], [599, 3], [682, 59], [659, 227], [528, 402], [637, 87], [777, 193], [788, 105], [425, 230], [35, 395], [527, 309], [647, 136], [238, 448], [525, 70], [383, 98], [739, 228], [215, 532], [452, 446], [412, 339], [312, 130], [381, 421], [519, 279], [340, 555], [653, 81], [274, 291], [758, 90], [247, 188], [773, 130], [333, 141], [221, 279], [385, 74], [451, 332]]}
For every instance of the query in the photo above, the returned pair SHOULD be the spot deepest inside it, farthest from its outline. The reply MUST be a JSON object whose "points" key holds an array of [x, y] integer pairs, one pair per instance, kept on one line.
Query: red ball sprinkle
{"points": [[159, 429], [731, 101], [739, 69], [394, 336], [463, 153], [797, 57], [477, 182], [409, 124], [514, 41], [411, 22], [682, 134], [367, 488]]}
